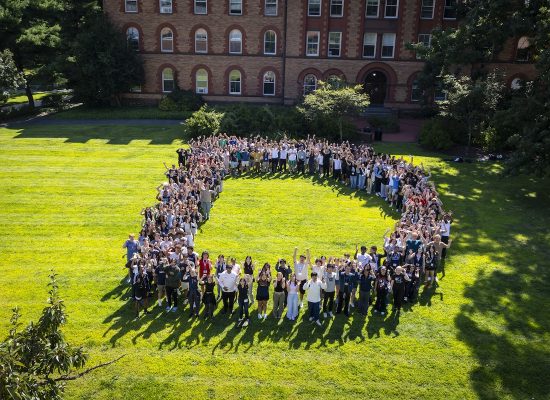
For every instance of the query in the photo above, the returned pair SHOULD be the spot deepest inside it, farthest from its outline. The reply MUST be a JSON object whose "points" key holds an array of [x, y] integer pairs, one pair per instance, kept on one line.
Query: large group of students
{"points": [[164, 266]]}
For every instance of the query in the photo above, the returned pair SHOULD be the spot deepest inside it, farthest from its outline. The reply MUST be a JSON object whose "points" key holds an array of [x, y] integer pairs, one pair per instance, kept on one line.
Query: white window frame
{"points": [[240, 83], [377, 8], [162, 49], [317, 44], [201, 30], [396, 10], [423, 42], [165, 80], [423, 7], [136, 38], [171, 9], [201, 90], [196, 6], [304, 84], [275, 43], [393, 48], [339, 45], [341, 3], [264, 82], [126, 8], [240, 2], [240, 42], [446, 7], [375, 44], [270, 4], [309, 2]]}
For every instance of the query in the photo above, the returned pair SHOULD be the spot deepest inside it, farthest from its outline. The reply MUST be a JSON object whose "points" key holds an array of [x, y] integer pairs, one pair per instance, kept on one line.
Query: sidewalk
{"points": [[409, 130]]}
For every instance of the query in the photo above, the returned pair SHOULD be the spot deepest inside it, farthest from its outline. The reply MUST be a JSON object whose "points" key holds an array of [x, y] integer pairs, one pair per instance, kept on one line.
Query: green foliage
{"points": [[35, 360], [388, 124], [103, 66], [203, 122], [54, 100], [435, 134], [7, 114], [124, 112], [181, 100], [10, 77]]}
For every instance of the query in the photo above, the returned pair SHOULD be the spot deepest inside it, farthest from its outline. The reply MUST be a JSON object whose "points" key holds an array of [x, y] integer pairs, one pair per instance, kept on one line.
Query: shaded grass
{"points": [[69, 199], [21, 99], [129, 112]]}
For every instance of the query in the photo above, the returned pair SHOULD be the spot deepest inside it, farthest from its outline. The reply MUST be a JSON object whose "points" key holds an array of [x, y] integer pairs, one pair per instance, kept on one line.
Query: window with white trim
{"points": [[416, 93], [312, 45], [166, 40], [388, 45], [270, 9], [314, 8], [310, 83], [334, 44], [336, 8], [165, 6], [235, 42], [369, 44], [440, 94], [201, 7], [426, 40], [391, 10], [167, 80], [427, 9], [372, 8], [269, 83], [270, 43], [449, 11], [201, 41], [132, 37], [201, 81], [235, 82], [131, 6], [235, 7]]}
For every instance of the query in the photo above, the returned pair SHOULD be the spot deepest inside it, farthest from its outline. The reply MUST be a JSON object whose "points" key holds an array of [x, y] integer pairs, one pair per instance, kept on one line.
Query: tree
{"points": [[204, 122], [10, 77], [35, 362], [334, 101], [103, 66], [31, 30], [470, 102]]}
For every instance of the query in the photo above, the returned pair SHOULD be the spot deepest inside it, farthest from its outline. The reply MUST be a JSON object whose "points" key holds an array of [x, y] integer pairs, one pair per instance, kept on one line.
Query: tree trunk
{"points": [[469, 139], [28, 92], [340, 128]]}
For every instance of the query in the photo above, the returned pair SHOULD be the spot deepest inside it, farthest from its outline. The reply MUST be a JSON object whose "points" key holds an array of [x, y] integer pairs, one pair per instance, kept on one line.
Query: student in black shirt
{"points": [[399, 281], [243, 302], [208, 298], [141, 288]]}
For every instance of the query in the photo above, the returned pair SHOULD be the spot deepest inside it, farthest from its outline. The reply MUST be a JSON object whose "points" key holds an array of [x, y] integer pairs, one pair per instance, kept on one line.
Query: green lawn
{"points": [[22, 98], [83, 112], [71, 194]]}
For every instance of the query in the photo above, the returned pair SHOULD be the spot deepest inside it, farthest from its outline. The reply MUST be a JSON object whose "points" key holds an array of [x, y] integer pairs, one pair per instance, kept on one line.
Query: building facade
{"points": [[275, 51]]}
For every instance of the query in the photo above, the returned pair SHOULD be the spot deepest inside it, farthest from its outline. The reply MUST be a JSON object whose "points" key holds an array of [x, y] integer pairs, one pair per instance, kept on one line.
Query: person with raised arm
{"points": [[301, 269], [314, 287]]}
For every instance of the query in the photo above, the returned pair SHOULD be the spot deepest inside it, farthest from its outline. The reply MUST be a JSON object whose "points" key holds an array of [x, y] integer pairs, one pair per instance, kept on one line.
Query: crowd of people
{"points": [[163, 264]]}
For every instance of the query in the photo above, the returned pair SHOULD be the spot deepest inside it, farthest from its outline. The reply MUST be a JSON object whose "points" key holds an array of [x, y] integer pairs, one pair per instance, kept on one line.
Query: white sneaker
{"points": [[376, 311], [352, 305], [159, 303], [318, 322], [259, 316], [185, 302], [174, 309], [302, 304], [245, 323], [324, 315], [382, 313], [311, 318], [331, 314], [265, 316], [168, 308]]}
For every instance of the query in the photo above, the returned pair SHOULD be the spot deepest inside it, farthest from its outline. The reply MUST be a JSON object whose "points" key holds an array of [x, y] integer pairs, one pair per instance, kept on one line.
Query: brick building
{"points": [[274, 51]]}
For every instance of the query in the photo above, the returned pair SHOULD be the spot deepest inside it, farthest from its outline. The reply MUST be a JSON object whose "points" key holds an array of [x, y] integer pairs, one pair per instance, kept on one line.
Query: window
{"points": [[165, 6], [201, 7], [201, 81], [523, 52], [270, 9], [201, 41], [336, 82], [314, 8], [369, 45], [416, 93], [334, 44], [310, 84], [449, 12], [270, 43], [235, 82], [235, 42], [132, 37], [312, 44], [426, 40], [439, 92], [135, 89], [269, 83], [391, 8], [167, 80], [131, 6], [166, 40], [336, 8], [388, 45], [427, 11], [235, 7], [372, 8]]}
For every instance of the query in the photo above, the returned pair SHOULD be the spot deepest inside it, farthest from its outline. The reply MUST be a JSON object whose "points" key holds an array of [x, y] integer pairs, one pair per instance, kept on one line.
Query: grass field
{"points": [[82, 112], [22, 98], [70, 196]]}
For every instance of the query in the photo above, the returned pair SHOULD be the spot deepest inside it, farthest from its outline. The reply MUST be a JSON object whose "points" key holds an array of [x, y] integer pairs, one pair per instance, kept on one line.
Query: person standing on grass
{"points": [[293, 286], [301, 269], [244, 302], [206, 200], [274, 159], [262, 294], [141, 289], [205, 265], [382, 287], [301, 156], [445, 231], [228, 281], [131, 245], [283, 155], [347, 284], [194, 293], [365, 287], [220, 267], [399, 282], [172, 285], [314, 287], [160, 279], [279, 286], [362, 258], [430, 265], [208, 298], [331, 280], [248, 267]]}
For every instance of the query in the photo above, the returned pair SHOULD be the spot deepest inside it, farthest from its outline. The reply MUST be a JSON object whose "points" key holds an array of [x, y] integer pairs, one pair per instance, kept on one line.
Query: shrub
{"points": [[167, 104], [181, 100], [388, 124], [435, 134], [203, 122], [54, 100], [13, 113]]}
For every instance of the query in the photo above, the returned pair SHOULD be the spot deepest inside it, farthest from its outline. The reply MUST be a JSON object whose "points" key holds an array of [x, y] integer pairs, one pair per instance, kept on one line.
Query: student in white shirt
{"points": [[301, 270], [228, 280], [314, 287]]}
